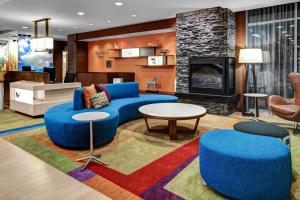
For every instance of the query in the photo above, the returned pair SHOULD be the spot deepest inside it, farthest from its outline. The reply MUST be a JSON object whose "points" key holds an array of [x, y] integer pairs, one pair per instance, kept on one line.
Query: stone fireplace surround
{"points": [[204, 33]]}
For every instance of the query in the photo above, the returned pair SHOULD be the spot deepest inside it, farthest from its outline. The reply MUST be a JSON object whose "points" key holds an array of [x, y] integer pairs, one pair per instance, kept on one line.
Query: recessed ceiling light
{"points": [[80, 13], [91, 24], [133, 15], [119, 4], [108, 21], [60, 30], [25, 27], [74, 27]]}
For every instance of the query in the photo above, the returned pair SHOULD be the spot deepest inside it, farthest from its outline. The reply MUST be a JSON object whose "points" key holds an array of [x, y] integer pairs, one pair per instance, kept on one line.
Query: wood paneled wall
{"points": [[240, 43], [59, 47], [77, 55], [87, 78]]}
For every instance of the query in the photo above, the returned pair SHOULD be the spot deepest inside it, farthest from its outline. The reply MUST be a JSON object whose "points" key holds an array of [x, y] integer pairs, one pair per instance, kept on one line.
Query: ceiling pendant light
{"points": [[41, 43]]}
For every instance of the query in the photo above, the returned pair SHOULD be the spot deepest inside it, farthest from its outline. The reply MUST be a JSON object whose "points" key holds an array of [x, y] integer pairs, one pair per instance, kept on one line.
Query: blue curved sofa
{"points": [[126, 100], [244, 166]]}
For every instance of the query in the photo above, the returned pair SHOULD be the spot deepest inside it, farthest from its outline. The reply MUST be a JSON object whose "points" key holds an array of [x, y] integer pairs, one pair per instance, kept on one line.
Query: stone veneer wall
{"points": [[207, 32]]}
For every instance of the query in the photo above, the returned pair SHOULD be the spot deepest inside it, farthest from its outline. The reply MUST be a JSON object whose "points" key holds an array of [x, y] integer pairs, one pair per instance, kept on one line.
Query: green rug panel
{"points": [[135, 153], [188, 184]]}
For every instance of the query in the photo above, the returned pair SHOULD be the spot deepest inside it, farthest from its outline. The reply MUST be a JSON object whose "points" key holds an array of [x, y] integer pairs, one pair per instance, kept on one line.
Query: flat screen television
{"points": [[51, 71]]}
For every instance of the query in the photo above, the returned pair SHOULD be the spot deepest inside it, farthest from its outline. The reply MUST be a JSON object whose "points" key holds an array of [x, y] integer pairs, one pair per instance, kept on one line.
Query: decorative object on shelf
{"points": [[160, 61], [151, 44], [250, 57], [101, 53], [42, 43], [132, 52], [153, 83], [163, 51], [157, 60], [137, 52], [116, 46]]}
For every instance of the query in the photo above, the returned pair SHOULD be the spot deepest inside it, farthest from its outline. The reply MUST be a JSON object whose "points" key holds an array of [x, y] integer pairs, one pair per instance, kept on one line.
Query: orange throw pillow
{"points": [[87, 93]]}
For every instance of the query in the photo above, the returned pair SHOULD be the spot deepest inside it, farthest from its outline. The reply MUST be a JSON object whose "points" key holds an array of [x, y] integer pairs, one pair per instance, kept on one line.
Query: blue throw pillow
{"points": [[78, 102]]}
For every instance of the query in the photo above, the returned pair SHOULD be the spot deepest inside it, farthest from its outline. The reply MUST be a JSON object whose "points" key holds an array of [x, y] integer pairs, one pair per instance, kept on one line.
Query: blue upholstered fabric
{"points": [[78, 101], [123, 90], [244, 166], [66, 132]]}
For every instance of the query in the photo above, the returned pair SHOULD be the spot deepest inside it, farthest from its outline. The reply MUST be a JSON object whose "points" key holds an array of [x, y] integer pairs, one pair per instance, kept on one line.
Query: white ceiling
{"points": [[17, 13]]}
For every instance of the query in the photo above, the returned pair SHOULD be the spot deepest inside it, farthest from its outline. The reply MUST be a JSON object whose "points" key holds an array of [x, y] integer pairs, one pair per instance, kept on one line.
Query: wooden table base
{"points": [[172, 126]]}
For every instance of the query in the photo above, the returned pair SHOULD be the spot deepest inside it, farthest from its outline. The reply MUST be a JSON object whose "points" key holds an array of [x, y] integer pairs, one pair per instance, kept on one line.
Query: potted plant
{"points": [[2, 74]]}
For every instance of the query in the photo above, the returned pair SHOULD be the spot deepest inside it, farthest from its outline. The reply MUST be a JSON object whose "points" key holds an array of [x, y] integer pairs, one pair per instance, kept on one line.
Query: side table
{"points": [[255, 96], [90, 117]]}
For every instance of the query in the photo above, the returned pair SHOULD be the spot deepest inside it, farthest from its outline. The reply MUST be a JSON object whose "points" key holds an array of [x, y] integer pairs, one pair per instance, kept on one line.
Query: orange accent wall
{"points": [[166, 75]]}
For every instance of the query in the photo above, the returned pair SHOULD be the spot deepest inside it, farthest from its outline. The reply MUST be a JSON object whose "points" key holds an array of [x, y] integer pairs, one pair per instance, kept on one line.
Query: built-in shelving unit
{"points": [[152, 60], [136, 52]]}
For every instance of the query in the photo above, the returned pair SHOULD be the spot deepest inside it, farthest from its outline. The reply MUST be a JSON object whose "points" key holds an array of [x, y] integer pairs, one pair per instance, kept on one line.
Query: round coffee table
{"points": [[90, 117], [172, 112]]}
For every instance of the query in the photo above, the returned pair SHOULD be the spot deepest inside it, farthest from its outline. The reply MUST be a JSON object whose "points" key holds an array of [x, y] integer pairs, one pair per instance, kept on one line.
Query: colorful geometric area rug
{"points": [[141, 165]]}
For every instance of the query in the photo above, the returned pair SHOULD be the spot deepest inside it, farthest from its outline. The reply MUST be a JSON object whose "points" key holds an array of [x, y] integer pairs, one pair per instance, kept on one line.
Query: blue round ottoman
{"points": [[244, 166]]}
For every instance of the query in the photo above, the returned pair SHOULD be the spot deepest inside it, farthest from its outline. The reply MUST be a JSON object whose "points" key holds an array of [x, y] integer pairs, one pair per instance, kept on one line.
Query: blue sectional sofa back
{"points": [[116, 91], [123, 90]]}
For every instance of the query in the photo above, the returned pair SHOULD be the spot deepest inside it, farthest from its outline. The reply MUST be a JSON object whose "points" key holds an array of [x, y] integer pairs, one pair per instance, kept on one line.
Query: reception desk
{"points": [[13, 76], [34, 98]]}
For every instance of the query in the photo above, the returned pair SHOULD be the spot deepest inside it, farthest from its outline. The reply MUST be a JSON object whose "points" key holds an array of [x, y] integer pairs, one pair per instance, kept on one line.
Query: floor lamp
{"points": [[250, 56]]}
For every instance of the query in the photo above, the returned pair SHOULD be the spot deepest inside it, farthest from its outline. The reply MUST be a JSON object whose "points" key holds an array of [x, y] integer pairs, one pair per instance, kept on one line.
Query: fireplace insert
{"points": [[212, 75]]}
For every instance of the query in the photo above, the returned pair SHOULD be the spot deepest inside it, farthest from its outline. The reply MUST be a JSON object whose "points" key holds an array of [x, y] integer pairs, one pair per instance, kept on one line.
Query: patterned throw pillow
{"points": [[101, 87], [99, 100]]}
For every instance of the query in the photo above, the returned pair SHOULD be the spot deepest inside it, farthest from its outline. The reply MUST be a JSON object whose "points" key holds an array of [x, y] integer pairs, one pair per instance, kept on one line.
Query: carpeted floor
{"points": [[141, 165]]}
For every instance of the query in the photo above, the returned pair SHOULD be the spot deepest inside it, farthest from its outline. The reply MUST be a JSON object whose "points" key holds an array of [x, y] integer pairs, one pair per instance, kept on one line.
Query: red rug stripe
{"points": [[147, 176]]}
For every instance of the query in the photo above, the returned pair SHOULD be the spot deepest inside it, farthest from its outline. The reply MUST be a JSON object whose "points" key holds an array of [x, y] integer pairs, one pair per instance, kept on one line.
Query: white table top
{"points": [[90, 116], [172, 110], [255, 95]]}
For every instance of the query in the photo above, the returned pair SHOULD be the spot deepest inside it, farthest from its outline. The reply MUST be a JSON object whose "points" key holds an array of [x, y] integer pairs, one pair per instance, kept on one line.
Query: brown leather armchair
{"points": [[288, 109]]}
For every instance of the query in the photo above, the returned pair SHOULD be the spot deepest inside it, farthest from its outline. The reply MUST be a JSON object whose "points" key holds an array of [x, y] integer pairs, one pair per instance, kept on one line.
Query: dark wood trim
{"points": [[240, 43], [134, 28]]}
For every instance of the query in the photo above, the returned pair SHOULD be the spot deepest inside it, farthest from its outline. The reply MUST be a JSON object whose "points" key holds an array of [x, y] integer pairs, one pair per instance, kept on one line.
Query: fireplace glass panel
{"points": [[207, 77]]}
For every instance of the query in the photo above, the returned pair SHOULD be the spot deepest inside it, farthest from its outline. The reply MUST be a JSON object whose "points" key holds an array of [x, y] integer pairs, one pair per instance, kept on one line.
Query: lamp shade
{"points": [[42, 44], [248, 56]]}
